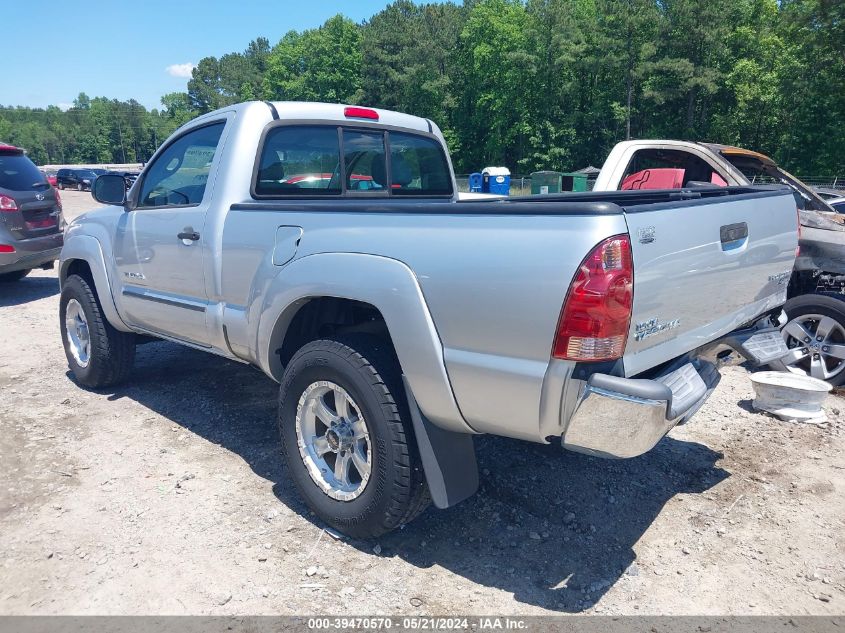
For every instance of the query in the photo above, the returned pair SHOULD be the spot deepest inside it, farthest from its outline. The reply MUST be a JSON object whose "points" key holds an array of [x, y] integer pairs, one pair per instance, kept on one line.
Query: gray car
{"points": [[31, 221]]}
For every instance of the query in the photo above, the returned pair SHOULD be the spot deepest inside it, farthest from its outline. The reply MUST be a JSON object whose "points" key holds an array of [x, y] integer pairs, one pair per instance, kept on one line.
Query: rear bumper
{"points": [[625, 417], [30, 253]]}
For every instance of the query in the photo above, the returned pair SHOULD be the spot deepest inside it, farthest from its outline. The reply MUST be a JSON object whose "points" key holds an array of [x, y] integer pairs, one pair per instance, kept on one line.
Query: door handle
{"points": [[193, 236]]}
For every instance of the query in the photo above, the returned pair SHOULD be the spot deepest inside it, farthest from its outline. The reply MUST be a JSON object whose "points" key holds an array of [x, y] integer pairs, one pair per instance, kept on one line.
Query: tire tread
{"points": [[112, 351], [376, 361]]}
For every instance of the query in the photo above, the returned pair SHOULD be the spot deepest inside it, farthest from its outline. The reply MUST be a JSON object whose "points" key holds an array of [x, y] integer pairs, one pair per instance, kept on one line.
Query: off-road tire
{"points": [[367, 368], [15, 275], [112, 351]]}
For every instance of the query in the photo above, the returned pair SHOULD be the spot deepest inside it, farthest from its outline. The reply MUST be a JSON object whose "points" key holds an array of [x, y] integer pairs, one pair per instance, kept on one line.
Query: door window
{"points": [[179, 175]]}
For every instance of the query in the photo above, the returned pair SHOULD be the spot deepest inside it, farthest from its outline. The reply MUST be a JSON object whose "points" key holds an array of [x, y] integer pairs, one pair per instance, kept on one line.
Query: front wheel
{"points": [[347, 438], [815, 335], [97, 353], [79, 186]]}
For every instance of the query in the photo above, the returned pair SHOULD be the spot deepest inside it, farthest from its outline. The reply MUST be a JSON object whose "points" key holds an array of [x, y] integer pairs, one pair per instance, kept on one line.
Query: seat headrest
{"points": [[401, 170], [274, 171], [378, 173]]}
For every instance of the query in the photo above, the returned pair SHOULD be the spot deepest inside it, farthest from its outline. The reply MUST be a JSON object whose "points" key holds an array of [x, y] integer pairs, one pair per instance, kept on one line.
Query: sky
{"points": [[53, 50]]}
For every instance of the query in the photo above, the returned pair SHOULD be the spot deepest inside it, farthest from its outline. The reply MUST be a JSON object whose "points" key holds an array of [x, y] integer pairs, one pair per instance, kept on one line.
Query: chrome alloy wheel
{"points": [[333, 440], [78, 336], [817, 346]]}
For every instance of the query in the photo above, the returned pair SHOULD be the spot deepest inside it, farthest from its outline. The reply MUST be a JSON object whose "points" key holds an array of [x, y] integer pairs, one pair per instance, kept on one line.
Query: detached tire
{"points": [[16, 275], [97, 354], [814, 317], [347, 436]]}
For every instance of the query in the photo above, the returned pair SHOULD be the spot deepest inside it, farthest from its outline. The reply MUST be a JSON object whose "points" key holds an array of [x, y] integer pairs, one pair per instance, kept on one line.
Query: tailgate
{"points": [[703, 267], [38, 214]]}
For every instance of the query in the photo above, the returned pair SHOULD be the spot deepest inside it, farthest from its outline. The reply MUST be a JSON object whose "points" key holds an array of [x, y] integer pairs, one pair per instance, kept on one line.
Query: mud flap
{"points": [[448, 458]]}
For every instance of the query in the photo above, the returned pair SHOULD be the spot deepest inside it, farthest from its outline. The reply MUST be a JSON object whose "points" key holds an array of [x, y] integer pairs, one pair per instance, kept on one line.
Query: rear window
{"points": [[329, 160], [419, 166], [667, 169], [299, 161], [363, 157], [18, 173], [759, 173]]}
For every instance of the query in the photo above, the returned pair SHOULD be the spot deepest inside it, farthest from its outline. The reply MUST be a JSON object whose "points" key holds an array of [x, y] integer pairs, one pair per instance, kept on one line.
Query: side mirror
{"points": [[109, 189]]}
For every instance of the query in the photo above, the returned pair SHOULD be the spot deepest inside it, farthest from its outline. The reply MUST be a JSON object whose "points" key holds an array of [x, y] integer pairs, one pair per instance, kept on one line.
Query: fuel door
{"points": [[287, 241]]}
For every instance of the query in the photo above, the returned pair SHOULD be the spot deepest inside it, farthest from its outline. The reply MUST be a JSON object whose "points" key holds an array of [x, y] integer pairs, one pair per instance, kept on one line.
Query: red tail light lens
{"points": [[596, 315], [5, 248], [360, 113], [8, 204]]}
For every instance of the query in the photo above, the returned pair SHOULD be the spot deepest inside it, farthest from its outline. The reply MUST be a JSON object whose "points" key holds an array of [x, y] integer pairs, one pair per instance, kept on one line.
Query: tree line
{"points": [[530, 84]]}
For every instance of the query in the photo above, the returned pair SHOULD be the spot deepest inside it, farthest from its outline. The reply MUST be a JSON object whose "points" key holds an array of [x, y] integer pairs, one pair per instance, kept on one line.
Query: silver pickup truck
{"points": [[326, 245]]}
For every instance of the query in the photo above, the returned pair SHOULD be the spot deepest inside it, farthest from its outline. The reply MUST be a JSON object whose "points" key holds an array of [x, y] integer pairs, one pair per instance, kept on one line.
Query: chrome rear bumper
{"points": [[624, 417]]}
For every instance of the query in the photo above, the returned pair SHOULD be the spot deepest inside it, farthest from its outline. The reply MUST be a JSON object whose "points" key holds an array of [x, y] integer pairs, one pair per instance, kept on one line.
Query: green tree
{"points": [[321, 64]]}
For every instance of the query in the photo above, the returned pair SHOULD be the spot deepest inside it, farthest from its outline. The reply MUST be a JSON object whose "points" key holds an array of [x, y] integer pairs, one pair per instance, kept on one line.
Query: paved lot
{"points": [[167, 495]]}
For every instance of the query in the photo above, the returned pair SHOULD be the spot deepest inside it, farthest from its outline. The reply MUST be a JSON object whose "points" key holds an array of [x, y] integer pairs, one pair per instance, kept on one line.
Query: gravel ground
{"points": [[167, 496]]}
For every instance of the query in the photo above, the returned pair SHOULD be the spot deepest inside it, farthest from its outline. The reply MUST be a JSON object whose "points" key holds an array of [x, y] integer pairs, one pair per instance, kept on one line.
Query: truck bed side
{"points": [[493, 274]]}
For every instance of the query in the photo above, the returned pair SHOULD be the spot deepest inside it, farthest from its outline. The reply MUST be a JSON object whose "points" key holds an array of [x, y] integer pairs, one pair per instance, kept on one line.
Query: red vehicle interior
{"points": [[663, 178]]}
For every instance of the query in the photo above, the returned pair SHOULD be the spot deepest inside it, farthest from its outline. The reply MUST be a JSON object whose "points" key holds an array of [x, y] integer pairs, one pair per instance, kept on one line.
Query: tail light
{"points": [[596, 315], [8, 204], [5, 248]]}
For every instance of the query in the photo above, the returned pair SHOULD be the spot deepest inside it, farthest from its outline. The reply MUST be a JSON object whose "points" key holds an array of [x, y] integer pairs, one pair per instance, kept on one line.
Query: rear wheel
{"points": [[97, 353], [79, 186], [347, 437], [16, 275], [62, 186], [815, 334]]}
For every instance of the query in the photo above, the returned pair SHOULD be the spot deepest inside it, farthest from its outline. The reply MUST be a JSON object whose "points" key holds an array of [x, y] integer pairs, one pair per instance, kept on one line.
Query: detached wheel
{"points": [[16, 275], [97, 354], [347, 438], [815, 334]]}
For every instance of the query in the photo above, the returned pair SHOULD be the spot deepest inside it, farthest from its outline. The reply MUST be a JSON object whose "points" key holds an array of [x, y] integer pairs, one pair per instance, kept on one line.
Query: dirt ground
{"points": [[167, 496]]}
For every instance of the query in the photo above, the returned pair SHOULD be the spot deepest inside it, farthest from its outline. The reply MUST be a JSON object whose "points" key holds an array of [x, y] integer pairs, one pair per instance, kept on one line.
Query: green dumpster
{"points": [[546, 182], [574, 182]]}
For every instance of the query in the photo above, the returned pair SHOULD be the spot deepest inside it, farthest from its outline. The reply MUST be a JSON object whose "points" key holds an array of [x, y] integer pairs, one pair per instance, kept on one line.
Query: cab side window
{"points": [[179, 175]]}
